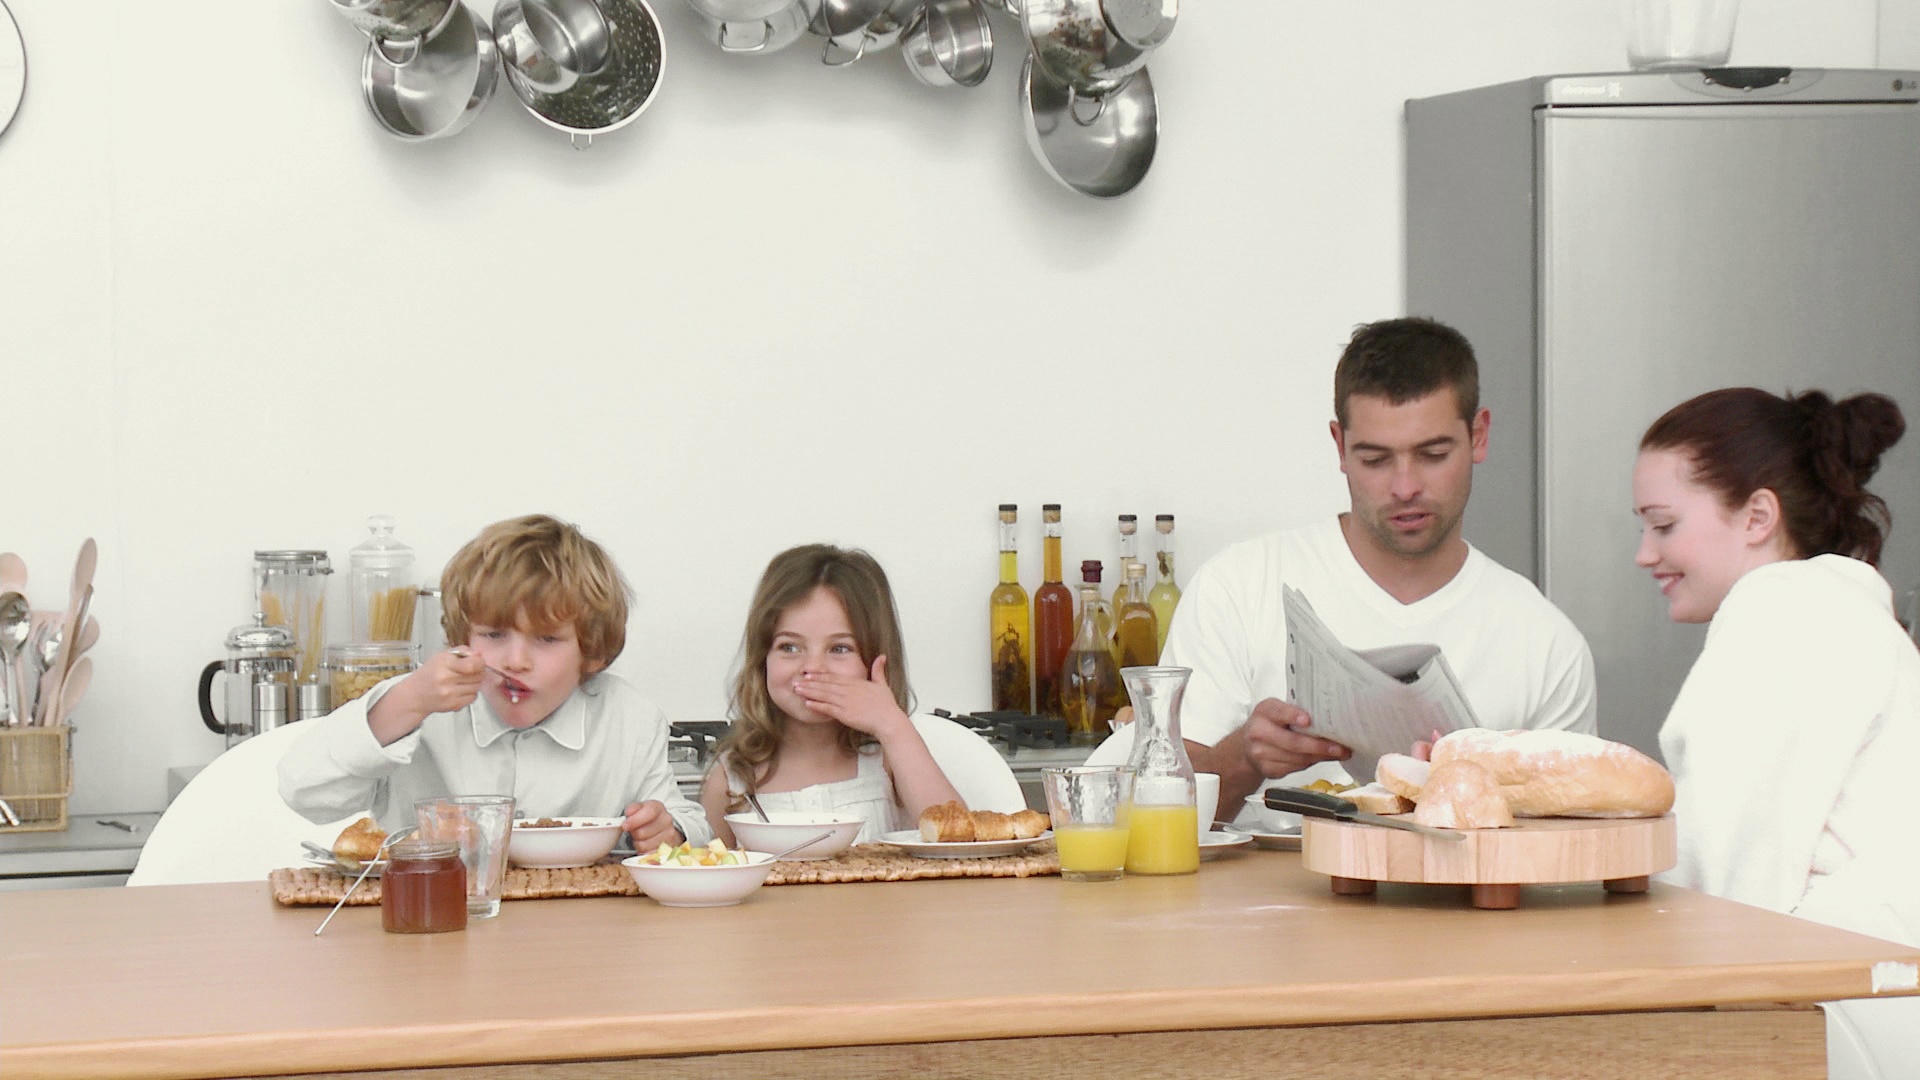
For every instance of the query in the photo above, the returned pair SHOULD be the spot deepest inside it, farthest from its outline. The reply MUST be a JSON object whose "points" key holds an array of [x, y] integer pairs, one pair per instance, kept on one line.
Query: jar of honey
{"points": [[424, 888]]}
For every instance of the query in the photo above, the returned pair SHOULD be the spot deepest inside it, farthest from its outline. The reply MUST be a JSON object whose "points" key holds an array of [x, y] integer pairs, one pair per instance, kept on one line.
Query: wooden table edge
{"points": [[808, 1027]]}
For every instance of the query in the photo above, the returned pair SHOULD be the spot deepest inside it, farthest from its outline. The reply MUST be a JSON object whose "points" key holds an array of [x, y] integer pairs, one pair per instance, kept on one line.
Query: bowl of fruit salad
{"points": [[708, 875]]}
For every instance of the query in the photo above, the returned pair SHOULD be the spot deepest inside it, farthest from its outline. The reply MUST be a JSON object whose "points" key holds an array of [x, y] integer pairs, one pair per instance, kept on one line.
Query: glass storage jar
{"points": [[353, 668], [290, 590], [380, 586], [424, 888]]}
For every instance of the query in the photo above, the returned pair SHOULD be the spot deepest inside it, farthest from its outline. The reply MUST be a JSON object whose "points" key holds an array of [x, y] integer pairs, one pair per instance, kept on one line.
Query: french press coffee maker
{"points": [[259, 667]]}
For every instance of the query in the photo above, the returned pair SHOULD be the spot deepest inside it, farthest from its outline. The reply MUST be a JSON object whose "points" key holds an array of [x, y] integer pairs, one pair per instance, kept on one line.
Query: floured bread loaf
{"points": [[1376, 799], [359, 841], [952, 822], [1562, 773], [1401, 774], [1462, 794]]}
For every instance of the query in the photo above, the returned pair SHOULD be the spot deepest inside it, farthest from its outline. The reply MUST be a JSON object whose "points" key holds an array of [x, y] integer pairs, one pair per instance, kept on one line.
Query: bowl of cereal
{"points": [[782, 830], [711, 875], [555, 843]]}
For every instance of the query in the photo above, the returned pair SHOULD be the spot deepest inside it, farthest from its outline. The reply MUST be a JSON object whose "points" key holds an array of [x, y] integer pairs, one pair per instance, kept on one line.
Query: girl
{"points": [[1792, 739], [820, 704]]}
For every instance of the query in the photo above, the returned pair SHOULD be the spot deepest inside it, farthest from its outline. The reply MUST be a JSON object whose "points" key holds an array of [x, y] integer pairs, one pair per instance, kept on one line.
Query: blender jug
{"points": [[259, 668]]}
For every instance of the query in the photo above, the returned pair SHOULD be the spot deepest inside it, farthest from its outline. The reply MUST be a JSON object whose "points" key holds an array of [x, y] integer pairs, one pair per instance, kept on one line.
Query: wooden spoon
{"points": [[72, 688], [89, 635], [13, 573]]}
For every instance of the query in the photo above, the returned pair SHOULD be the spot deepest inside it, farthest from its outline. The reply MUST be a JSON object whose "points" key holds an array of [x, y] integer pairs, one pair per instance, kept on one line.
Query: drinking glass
{"points": [[1680, 33], [1091, 806], [480, 824]]}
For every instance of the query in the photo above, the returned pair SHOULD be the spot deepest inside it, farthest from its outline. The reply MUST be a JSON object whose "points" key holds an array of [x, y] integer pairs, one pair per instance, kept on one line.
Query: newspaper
{"points": [[1374, 701]]}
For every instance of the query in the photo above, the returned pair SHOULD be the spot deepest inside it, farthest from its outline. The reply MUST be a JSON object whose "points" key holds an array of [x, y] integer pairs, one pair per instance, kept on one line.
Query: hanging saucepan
{"points": [[886, 31], [596, 102], [949, 44], [754, 26], [1105, 156], [1143, 24], [1076, 43], [13, 67], [440, 87], [550, 44], [844, 24], [399, 28]]}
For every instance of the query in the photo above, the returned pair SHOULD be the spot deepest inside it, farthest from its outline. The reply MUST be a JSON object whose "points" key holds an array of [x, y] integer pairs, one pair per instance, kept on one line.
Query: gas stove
{"points": [[693, 742], [1013, 729]]}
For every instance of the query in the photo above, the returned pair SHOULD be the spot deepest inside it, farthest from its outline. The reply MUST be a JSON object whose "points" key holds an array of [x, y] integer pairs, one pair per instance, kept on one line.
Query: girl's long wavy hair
{"points": [[1816, 454], [861, 586]]}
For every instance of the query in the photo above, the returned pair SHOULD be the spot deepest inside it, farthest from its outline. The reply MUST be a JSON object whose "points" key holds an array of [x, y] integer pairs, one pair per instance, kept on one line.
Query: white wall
{"points": [[789, 304]]}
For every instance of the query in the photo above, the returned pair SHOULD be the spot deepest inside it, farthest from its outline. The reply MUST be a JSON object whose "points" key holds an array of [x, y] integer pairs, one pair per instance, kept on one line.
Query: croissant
{"points": [[359, 841], [952, 822]]}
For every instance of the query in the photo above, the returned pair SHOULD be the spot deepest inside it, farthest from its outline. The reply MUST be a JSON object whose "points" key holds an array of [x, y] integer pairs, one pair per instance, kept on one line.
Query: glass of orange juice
{"points": [[1092, 807]]}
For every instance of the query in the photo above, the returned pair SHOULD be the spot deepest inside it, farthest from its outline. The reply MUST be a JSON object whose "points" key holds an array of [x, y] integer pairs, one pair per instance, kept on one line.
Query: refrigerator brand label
{"points": [[1588, 90]]}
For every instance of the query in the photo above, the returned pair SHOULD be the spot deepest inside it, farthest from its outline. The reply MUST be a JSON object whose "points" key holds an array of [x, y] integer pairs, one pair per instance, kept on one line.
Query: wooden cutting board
{"points": [[1621, 853]]}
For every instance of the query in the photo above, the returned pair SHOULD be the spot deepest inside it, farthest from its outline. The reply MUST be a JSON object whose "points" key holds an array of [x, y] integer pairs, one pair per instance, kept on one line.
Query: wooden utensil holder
{"points": [[36, 776]]}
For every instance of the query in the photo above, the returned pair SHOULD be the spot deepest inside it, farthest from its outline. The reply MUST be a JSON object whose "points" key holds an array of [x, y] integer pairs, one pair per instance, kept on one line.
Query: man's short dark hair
{"points": [[1404, 360]]}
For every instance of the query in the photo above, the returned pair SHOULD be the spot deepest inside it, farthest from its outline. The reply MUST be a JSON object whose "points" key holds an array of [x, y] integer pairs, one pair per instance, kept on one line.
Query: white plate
{"points": [[1289, 840], [1215, 844], [908, 840], [339, 868]]}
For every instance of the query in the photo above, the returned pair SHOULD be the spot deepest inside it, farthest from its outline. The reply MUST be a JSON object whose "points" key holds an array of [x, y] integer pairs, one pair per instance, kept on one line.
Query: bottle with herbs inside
{"points": [[1165, 594], [1052, 619], [1135, 625], [1129, 525], [1010, 624], [1090, 688]]}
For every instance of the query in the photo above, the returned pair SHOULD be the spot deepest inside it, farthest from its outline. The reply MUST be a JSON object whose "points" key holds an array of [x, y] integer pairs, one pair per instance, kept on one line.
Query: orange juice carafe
{"points": [[1164, 829]]}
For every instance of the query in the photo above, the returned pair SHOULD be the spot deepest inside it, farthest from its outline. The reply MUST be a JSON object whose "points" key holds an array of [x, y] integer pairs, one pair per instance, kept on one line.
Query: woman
{"points": [[1793, 739]]}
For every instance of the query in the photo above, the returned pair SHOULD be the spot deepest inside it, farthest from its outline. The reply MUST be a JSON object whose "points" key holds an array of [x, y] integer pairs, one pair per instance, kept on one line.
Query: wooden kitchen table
{"points": [[1249, 968]]}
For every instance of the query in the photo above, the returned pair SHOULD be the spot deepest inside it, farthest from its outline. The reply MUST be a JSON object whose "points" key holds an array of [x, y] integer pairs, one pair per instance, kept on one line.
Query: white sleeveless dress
{"points": [[868, 794]]}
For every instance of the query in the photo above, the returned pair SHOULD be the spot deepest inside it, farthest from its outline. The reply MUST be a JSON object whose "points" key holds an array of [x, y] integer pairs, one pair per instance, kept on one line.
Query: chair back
{"points": [[974, 768], [1114, 749], [229, 823]]}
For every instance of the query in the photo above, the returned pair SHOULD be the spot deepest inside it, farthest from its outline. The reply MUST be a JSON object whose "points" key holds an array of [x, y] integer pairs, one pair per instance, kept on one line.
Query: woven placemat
{"points": [[307, 886]]}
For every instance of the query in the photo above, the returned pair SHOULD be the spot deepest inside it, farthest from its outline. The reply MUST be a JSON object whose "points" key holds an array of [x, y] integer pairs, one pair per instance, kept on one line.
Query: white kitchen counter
{"points": [[85, 854]]}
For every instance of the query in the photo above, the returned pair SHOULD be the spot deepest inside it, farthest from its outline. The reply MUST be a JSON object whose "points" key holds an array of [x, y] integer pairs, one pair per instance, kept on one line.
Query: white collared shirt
{"points": [[604, 747]]}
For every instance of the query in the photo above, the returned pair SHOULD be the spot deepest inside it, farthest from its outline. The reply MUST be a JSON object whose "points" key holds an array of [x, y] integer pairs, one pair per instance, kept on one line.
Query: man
{"points": [[1392, 570]]}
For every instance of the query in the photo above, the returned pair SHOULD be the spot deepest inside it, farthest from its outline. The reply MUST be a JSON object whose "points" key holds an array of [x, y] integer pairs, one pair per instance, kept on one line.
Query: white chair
{"points": [[974, 768], [1114, 749], [229, 823]]}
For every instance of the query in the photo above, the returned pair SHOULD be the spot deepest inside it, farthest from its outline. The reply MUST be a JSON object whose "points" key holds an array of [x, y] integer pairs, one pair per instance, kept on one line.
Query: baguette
{"points": [[1562, 773], [1462, 794]]}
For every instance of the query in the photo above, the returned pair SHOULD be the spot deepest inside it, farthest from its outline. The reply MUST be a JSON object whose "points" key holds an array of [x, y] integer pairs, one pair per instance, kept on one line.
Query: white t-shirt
{"points": [[604, 747], [1519, 659]]}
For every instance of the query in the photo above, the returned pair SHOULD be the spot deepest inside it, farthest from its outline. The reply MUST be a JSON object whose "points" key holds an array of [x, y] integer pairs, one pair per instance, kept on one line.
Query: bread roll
{"points": [[1028, 824], [1563, 773], [947, 823], [990, 825], [1401, 774], [1462, 794], [359, 841], [1376, 799]]}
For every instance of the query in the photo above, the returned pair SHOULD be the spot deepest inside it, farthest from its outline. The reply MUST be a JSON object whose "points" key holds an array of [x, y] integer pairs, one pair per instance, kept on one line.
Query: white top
{"points": [[1792, 745], [1519, 659], [868, 794], [604, 747]]}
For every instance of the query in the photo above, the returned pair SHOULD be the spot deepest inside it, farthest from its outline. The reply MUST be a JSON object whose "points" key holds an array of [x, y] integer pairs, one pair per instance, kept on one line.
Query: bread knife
{"points": [[1320, 805]]}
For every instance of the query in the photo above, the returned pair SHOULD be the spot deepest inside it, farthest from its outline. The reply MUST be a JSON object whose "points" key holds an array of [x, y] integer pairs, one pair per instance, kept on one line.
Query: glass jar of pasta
{"points": [[290, 590], [353, 668], [381, 589]]}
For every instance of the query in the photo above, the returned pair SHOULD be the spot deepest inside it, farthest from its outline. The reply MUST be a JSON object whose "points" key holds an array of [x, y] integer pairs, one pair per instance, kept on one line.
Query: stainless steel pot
{"points": [[844, 24], [1104, 155], [604, 100], [949, 44], [739, 11], [887, 30], [399, 28], [550, 44], [1077, 43], [13, 67], [761, 34], [438, 91]]}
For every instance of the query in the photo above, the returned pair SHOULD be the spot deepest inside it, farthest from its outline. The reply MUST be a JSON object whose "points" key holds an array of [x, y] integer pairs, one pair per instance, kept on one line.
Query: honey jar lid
{"points": [[422, 849]]}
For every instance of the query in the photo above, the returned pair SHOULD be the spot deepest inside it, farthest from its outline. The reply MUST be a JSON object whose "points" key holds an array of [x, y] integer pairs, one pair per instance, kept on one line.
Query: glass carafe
{"points": [[1164, 836]]}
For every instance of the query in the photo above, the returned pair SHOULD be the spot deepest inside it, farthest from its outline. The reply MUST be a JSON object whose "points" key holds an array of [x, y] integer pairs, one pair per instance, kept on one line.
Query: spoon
{"points": [[801, 844], [16, 622], [754, 801], [512, 695], [392, 837]]}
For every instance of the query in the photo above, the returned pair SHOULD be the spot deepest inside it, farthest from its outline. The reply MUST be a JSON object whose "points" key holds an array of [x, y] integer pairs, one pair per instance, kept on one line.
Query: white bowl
{"points": [[700, 886], [789, 828], [1265, 820], [582, 841]]}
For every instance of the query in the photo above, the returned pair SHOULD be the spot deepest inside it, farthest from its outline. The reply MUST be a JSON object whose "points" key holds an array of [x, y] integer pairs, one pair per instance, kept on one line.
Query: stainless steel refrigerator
{"points": [[1613, 244]]}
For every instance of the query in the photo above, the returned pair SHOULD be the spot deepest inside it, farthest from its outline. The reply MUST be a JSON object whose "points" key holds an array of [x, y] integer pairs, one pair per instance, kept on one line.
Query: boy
{"points": [[522, 705]]}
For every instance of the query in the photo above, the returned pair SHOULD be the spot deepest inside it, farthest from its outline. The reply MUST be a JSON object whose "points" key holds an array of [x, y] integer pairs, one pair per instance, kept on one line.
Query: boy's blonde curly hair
{"points": [[546, 570]]}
